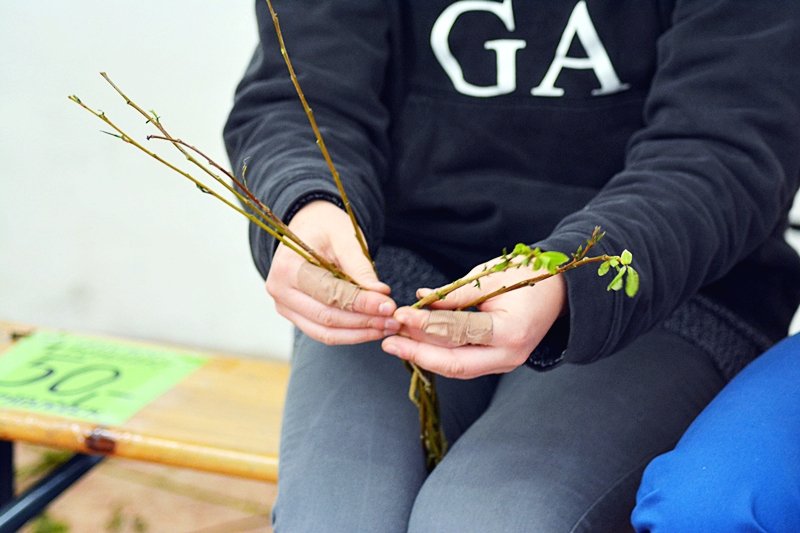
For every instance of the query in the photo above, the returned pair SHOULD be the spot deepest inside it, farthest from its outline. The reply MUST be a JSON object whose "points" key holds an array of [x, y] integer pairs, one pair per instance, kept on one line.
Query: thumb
{"points": [[352, 261]]}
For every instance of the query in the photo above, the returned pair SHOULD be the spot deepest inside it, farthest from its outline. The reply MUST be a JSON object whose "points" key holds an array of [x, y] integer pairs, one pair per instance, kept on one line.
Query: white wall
{"points": [[95, 237]]}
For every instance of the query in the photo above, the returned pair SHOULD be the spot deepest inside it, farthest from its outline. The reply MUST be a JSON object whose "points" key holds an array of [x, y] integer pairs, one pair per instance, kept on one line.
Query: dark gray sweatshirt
{"points": [[462, 127]]}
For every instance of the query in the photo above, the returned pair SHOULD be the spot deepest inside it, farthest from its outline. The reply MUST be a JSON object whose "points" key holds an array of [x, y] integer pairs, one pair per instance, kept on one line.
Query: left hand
{"points": [[439, 341]]}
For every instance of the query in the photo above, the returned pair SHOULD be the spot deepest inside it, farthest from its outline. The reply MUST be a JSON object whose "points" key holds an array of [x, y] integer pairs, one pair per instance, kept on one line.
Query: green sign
{"points": [[85, 378]]}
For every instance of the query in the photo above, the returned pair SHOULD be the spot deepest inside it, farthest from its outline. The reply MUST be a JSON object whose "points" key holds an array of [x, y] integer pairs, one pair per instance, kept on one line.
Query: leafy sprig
{"points": [[626, 274], [552, 263]]}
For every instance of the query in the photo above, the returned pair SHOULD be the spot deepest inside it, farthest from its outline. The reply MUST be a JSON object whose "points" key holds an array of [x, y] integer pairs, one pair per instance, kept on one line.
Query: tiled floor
{"points": [[122, 496]]}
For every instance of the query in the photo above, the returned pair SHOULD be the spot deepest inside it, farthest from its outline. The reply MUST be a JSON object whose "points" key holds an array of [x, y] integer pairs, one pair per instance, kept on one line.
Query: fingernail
{"points": [[401, 315], [391, 324], [389, 346], [386, 308], [421, 293]]}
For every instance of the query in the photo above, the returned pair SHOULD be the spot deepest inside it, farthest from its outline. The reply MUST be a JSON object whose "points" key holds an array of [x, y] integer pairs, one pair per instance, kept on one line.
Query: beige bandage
{"points": [[325, 287], [460, 327]]}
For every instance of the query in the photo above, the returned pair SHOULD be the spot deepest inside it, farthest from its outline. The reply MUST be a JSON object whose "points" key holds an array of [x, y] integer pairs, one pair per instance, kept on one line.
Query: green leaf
{"points": [[501, 266], [521, 249], [552, 260], [616, 283], [537, 263], [614, 262], [626, 257], [631, 282], [604, 268]]}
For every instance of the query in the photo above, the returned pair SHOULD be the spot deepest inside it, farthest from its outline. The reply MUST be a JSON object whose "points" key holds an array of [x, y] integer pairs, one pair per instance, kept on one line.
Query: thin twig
{"points": [[122, 135], [318, 135], [421, 390], [534, 280], [249, 201], [442, 292], [156, 121], [252, 200]]}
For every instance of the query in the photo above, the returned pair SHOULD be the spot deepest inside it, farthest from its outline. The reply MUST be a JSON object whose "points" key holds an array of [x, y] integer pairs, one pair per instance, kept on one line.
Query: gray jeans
{"points": [[545, 452]]}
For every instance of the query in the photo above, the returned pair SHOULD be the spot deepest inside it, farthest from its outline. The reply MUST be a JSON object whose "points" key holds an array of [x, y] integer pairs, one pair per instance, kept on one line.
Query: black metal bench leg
{"points": [[6, 471], [14, 513]]}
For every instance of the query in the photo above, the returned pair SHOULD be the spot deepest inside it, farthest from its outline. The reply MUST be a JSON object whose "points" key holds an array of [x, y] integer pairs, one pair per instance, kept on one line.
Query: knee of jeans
{"points": [[684, 493], [453, 500]]}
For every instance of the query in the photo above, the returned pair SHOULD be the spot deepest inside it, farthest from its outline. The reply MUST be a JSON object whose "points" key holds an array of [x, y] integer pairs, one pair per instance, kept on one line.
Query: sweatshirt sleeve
{"points": [[706, 180], [339, 51]]}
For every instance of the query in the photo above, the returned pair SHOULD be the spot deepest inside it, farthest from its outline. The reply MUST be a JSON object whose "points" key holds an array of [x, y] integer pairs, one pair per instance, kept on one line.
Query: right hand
{"points": [[310, 298]]}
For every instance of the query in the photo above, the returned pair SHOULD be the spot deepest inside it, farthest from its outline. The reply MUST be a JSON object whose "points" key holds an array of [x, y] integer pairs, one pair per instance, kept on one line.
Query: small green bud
{"points": [[244, 173]]}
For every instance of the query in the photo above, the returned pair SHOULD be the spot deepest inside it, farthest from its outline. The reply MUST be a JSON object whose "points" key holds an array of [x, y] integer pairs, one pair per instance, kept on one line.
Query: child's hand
{"points": [[325, 308], [497, 339]]}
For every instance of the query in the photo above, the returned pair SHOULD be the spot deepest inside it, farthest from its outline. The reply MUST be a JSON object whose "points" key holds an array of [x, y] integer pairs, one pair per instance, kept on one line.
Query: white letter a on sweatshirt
{"points": [[580, 25]]}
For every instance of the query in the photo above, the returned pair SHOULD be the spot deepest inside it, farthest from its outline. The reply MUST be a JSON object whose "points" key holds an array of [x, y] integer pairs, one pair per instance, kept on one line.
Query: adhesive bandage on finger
{"points": [[325, 287], [460, 327]]}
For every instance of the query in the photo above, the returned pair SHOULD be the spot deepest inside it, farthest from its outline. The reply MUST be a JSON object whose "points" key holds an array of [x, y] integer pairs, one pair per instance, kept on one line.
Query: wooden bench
{"points": [[223, 417]]}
